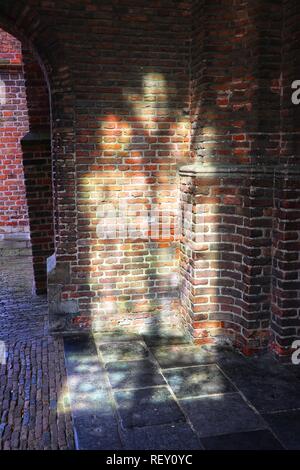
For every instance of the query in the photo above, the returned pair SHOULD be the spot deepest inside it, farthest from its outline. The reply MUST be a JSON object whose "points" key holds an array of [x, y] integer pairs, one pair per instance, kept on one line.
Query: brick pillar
{"points": [[37, 171], [285, 306], [286, 261], [226, 253], [235, 114]]}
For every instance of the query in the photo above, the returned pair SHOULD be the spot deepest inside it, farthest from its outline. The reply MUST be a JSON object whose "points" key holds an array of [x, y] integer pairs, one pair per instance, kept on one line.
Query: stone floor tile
{"points": [[286, 426], [181, 355], [118, 336], [197, 381], [166, 335], [94, 417], [134, 374], [255, 440], [123, 351], [178, 436], [221, 414], [267, 384], [147, 407]]}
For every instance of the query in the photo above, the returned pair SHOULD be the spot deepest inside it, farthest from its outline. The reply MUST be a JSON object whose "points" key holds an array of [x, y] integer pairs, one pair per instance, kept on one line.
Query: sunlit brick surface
{"points": [[13, 126], [138, 90]]}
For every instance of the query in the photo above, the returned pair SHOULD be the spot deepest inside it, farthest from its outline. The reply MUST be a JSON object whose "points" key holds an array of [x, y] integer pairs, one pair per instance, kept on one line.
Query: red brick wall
{"points": [[132, 100], [13, 126], [236, 58], [128, 94]]}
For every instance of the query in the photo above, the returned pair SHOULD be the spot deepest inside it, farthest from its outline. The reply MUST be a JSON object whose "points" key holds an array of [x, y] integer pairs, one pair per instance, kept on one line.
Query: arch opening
{"points": [[26, 215]]}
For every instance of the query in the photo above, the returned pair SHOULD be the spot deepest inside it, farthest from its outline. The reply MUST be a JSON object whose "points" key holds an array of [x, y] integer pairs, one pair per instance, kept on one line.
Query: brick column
{"points": [[285, 306], [226, 253], [236, 85], [37, 171], [286, 245]]}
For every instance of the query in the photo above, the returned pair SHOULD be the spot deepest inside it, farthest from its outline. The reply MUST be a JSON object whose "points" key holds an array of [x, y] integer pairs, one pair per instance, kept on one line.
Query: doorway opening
{"points": [[26, 204]]}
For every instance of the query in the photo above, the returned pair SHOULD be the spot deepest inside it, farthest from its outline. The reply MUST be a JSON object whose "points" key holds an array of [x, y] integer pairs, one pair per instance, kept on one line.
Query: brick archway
{"points": [[26, 175], [52, 144]]}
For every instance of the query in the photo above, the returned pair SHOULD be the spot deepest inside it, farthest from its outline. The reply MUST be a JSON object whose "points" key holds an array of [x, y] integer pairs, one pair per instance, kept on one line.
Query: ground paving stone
{"points": [[134, 374], [166, 336], [286, 426], [197, 381], [221, 414], [93, 414], [147, 407], [125, 351], [181, 356], [177, 436], [255, 440], [267, 384]]}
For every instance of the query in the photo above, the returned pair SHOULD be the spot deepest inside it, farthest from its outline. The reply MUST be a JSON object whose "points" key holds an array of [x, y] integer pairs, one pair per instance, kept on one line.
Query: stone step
{"points": [[15, 252]]}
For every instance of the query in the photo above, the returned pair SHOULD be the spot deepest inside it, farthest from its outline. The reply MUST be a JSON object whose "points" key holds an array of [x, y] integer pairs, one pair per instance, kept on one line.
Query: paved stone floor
{"points": [[33, 414], [132, 393]]}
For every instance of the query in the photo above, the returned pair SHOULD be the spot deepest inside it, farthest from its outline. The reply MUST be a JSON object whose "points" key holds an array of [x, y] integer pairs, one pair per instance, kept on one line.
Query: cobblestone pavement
{"points": [[33, 414]]}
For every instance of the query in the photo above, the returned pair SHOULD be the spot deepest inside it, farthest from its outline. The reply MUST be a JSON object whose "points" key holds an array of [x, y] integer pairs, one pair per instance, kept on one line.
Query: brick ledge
{"points": [[198, 168]]}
